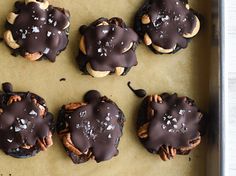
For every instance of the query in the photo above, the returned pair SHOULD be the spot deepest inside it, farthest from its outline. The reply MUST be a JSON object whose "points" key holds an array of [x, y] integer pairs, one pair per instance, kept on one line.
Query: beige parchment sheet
{"points": [[186, 72]]}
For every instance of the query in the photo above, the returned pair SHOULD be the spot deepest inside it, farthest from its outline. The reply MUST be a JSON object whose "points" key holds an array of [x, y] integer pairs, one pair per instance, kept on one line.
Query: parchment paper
{"points": [[186, 72]]}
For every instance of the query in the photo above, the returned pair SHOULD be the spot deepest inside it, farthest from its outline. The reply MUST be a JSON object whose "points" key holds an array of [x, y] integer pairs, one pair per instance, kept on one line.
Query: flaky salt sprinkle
{"points": [[181, 112], [32, 112]]}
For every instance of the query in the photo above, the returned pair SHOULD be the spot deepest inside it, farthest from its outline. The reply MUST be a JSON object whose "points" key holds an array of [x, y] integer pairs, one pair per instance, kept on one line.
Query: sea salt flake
{"points": [[17, 129], [165, 18], [23, 36], [105, 31], [32, 112], [46, 51], [110, 127], [10, 140], [49, 34], [22, 121], [168, 122], [174, 120], [163, 127], [99, 50], [181, 112], [23, 126], [109, 136], [82, 113], [42, 19], [108, 119], [50, 21]]}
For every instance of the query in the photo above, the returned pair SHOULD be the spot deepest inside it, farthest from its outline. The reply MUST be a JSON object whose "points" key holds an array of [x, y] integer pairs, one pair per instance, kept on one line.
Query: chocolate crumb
{"points": [[63, 79]]}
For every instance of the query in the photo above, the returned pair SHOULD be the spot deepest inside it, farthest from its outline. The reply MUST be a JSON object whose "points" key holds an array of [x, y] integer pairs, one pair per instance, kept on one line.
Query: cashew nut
{"points": [[147, 40], [82, 45], [119, 71], [195, 30], [10, 40], [163, 50], [145, 19], [96, 74], [11, 17]]}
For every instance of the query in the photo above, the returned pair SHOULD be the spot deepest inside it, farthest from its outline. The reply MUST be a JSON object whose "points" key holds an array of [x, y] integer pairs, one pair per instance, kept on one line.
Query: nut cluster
{"points": [[165, 26], [157, 119], [26, 30], [114, 49], [22, 123]]}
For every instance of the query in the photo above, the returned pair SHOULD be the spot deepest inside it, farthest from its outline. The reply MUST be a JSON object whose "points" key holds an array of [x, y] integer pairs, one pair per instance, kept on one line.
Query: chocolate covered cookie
{"points": [[166, 25], [169, 125], [107, 46], [91, 129], [26, 126], [36, 29]]}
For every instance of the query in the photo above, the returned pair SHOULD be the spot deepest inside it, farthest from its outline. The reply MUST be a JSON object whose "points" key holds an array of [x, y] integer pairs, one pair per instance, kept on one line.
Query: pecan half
{"points": [[167, 152], [46, 142], [42, 109], [13, 98], [66, 139], [73, 106], [193, 144], [143, 131], [153, 98]]}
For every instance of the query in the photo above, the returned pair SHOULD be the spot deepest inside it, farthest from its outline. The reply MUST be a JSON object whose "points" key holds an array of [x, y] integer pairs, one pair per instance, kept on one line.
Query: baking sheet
{"points": [[186, 72]]}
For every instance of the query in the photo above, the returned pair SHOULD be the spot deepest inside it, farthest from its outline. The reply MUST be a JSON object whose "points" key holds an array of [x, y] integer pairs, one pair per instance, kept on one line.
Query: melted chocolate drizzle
{"points": [[170, 19], [95, 126], [20, 123], [105, 45], [176, 122], [138, 92], [38, 30]]}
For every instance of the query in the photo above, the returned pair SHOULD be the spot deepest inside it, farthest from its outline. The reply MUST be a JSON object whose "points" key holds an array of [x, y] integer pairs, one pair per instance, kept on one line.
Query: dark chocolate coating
{"points": [[170, 19], [38, 30], [105, 44], [95, 127], [176, 122], [21, 125]]}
